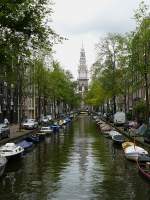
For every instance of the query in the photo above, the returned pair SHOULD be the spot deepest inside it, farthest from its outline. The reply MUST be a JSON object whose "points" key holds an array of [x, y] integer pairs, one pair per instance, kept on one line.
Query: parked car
{"points": [[44, 119], [49, 117], [30, 124], [4, 131]]}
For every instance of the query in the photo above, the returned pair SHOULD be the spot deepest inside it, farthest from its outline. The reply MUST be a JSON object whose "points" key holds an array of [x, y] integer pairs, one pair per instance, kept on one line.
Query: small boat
{"points": [[95, 117], [26, 145], [144, 158], [61, 122], [11, 150], [113, 133], [144, 169], [55, 128], [68, 119], [105, 127], [118, 139], [133, 152], [41, 135], [3, 162], [33, 138], [127, 144], [99, 122], [46, 129]]}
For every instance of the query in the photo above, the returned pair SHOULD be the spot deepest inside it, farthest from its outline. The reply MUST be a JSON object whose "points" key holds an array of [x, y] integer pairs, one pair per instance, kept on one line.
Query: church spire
{"points": [[82, 45], [82, 58], [82, 72]]}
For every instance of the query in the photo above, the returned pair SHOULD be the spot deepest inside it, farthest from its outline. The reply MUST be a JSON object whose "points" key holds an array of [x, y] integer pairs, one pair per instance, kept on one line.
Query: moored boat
{"points": [[11, 150], [118, 139], [133, 152], [55, 128], [33, 138], [144, 169], [3, 162], [46, 129], [25, 144], [144, 158], [41, 135], [105, 127], [127, 144], [113, 133], [68, 119]]}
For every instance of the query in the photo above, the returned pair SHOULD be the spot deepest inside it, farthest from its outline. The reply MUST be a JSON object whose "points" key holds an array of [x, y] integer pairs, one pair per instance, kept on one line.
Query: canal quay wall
{"points": [[16, 134], [138, 140]]}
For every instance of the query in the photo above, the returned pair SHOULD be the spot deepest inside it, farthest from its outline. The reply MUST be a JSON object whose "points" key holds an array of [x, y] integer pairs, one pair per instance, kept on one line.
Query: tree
{"points": [[24, 28], [141, 48], [111, 50]]}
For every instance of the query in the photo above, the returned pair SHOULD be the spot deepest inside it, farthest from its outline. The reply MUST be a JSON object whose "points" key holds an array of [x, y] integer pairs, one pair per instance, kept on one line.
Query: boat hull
{"points": [[132, 156], [15, 156], [118, 139], [27, 146], [144, 171], [133, 152]]}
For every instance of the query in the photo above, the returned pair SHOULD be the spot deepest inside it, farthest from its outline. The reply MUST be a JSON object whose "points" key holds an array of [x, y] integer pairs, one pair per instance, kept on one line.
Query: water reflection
{"points": [[77, 163]]}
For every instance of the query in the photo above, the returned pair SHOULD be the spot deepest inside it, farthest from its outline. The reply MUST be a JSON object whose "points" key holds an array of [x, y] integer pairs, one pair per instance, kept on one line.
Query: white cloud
{"points": [[87, 20]]}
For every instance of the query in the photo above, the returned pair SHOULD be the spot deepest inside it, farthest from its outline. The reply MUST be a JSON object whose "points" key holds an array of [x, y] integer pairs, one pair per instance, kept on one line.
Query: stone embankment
{"points": [[137, 139], [16, 134]]}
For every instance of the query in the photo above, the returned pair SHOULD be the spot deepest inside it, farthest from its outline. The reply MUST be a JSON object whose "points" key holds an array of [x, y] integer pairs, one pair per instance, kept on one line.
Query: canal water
{"points": [[79, 163]]}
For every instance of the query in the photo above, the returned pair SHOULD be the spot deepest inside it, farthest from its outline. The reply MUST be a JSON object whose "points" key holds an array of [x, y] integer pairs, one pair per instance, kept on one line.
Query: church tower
{"points": [[82, 73]]}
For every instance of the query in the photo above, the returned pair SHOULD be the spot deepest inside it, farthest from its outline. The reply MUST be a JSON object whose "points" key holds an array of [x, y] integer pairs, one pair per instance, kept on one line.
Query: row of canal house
{"points": [[29, 107], [135, 91], [8, 102], [133, 94]]}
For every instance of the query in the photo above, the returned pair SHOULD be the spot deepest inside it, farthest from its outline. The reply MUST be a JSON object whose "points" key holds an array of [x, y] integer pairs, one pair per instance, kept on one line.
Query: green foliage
{"points": [[95, 96], [55, 84], [139, 109], [122, 67], [24, 27]]}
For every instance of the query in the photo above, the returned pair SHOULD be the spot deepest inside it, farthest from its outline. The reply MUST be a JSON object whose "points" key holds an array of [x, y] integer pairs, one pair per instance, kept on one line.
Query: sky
{"points": [[87, 21]]}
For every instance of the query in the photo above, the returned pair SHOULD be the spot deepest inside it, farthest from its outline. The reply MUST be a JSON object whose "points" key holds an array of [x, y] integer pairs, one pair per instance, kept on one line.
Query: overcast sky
{"points": [[87, 21]]}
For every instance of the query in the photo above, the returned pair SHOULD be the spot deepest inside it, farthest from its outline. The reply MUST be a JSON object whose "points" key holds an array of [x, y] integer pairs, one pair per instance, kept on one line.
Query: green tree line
{"points": [[26, 38], [122, 69]]}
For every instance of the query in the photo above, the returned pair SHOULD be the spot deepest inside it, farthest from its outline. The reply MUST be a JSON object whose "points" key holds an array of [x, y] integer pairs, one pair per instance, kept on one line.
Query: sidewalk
{"points": [[15, 133]]}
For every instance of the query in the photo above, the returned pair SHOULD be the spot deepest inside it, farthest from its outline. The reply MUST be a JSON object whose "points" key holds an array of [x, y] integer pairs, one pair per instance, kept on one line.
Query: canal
{"points": [[79, 163]]}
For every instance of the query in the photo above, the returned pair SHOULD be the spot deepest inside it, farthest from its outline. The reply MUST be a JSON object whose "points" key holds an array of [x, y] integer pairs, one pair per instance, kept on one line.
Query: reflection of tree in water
{"points": [[83, 124], [9, 180], [83, 143], [113, 152], [83, 154]]}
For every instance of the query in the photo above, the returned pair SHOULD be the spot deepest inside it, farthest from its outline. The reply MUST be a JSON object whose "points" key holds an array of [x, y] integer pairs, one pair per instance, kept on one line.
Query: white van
{"points": [[119, 118]]}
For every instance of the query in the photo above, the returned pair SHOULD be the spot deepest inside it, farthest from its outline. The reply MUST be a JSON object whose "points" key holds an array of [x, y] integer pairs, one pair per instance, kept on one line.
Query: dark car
{"points": [[4, 131]]}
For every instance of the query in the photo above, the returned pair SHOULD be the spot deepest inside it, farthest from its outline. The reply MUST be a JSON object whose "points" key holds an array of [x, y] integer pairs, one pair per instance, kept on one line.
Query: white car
{"points": [[49, 117], [45, 119], [30, 124]]}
